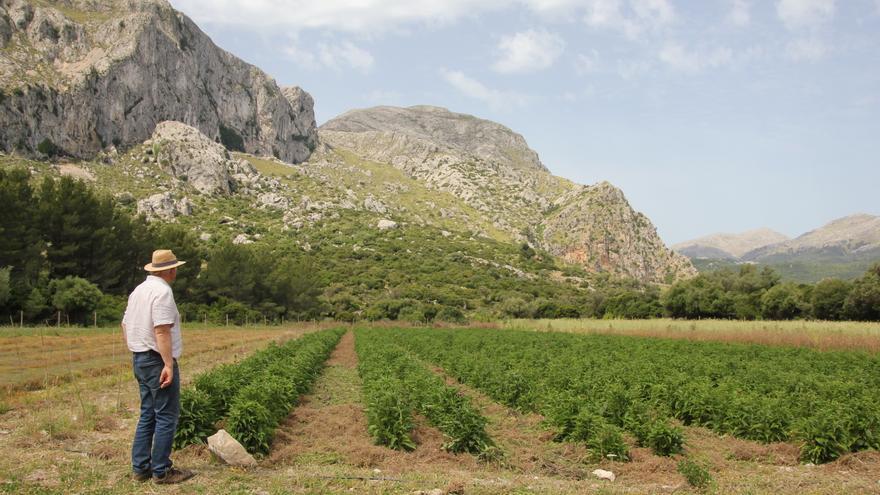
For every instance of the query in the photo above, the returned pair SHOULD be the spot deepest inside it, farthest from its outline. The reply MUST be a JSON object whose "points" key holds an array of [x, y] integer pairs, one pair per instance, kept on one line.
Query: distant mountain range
{"points": [[843, 248]]}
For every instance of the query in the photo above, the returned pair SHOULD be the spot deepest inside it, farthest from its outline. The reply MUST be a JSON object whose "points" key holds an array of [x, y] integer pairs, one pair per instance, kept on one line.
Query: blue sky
{"points": [[712, 115]]}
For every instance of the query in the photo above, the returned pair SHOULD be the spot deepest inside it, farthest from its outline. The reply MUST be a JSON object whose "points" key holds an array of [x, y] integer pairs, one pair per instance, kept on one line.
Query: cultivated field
{"points": [[466, 409]]}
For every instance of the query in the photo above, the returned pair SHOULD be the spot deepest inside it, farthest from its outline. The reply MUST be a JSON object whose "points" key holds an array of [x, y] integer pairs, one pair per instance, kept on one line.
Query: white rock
{"points": [[242, 239], [229, 450], [386, 224], [163, 206], [205, 237], [604, 475]]}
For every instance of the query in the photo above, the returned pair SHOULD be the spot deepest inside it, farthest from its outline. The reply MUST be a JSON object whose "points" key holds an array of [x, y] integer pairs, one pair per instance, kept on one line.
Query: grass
{"points": [[822, 335]]}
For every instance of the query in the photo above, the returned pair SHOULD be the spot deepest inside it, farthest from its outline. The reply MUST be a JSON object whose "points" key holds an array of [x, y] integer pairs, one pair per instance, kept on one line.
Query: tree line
{"points": [[66, 251]]}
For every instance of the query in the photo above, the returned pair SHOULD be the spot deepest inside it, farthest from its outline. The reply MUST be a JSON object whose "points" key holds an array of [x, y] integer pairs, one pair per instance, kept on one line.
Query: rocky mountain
{"points": [[844, 248], [729, 246], [131, 95], [851, 235], [491, 169], [79, 76]]}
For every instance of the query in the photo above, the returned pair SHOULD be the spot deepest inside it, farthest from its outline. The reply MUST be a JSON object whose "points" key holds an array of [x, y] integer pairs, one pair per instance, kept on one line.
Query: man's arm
{"points": [[163, 342]]}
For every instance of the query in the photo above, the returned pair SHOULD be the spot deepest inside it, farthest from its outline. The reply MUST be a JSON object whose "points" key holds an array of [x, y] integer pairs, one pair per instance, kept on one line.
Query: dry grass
{"points": [[821, 335], [38, 358]]}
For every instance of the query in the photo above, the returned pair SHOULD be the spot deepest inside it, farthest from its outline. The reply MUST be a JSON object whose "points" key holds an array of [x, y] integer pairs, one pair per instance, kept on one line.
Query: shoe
{"points": [[141, 477], [173, 475]]}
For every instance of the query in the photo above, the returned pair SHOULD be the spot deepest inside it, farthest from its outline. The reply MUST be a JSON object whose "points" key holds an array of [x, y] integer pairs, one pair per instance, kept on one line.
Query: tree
{"points": [[783, 302], [20, 242], [828, 298], [4, 285], [75, 296], [863, 301], [295, 284]]}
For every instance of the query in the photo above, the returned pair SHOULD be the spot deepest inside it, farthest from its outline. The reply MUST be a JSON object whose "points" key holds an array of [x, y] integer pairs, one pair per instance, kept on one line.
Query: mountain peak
{"points": [[432, 130]]}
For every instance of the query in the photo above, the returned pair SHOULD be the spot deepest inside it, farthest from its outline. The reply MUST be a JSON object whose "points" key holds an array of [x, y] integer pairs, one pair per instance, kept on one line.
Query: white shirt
{"points": [[151, 304]]}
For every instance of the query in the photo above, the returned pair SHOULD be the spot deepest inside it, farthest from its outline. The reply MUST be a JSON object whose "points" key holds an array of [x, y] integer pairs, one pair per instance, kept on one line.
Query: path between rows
{"points": [[330, 426]]}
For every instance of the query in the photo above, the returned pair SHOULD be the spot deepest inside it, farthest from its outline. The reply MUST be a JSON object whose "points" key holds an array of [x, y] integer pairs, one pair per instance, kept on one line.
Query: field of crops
{"points": [[587, 386], [464, 410]]}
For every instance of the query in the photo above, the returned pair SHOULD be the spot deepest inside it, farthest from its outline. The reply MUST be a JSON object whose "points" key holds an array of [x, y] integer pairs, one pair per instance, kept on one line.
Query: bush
{"points": [[75, 296], [196, 420], [48, 148], [694, 473]]}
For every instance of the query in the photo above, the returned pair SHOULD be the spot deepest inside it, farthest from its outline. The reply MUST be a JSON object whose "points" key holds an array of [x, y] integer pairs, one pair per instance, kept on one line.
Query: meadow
{"points": [[513, 407]]}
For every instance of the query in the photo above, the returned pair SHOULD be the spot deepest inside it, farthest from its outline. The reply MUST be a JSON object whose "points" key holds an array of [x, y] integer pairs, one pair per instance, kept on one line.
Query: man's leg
{"points": [[167, 410], [148, 378]]}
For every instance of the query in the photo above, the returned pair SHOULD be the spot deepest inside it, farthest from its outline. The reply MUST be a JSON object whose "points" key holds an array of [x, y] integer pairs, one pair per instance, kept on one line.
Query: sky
{"points": [[711, 115]]}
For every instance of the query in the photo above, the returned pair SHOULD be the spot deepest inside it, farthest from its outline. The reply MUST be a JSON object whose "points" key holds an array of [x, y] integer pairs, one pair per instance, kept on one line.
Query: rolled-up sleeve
{"points": [[164, 311]]}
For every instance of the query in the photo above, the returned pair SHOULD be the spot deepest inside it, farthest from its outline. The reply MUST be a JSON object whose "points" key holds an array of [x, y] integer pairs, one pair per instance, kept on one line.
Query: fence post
{"points": [[227, 319], [59, 319], [96, 318], [21, 322]]}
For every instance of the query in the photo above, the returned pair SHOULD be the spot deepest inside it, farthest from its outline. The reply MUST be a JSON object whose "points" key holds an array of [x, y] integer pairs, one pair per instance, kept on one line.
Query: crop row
{"points": [[396, 385], [251, 397], [828, 402]]}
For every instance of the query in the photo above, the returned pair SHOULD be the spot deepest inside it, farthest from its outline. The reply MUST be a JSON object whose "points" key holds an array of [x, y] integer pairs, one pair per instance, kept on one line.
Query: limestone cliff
{"points": [[493, 170], [78, 76]]}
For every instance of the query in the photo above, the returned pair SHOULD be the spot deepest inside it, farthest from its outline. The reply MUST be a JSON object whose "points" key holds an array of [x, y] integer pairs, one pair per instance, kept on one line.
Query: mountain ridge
{"points": [[142, 99]]}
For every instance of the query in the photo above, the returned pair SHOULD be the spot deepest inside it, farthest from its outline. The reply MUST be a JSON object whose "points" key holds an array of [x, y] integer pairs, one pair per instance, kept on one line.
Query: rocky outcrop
{"points": [[492, 170], [599, 230], [105, 73], [427, 135], [163, 206], [189, 155]]}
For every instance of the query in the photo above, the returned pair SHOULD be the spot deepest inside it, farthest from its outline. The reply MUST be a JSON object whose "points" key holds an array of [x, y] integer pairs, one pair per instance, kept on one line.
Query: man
{"points": [[151, 327]]}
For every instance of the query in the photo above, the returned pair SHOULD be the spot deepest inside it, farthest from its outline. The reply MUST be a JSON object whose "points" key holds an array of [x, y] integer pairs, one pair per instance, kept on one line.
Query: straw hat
{"points": [[163, 259]]}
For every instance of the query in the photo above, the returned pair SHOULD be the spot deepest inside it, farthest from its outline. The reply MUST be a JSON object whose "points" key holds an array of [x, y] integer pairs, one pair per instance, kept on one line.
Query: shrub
{"points": [[48, 148], [694, 473], [196, 420]]}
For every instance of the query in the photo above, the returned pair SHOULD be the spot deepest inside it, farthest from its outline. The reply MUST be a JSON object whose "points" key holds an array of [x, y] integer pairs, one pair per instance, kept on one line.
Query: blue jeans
{"points": [[160, 408]]}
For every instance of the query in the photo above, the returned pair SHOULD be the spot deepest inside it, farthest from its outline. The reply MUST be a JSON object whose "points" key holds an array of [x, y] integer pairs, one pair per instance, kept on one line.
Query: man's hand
{"points": [[166, 377]]}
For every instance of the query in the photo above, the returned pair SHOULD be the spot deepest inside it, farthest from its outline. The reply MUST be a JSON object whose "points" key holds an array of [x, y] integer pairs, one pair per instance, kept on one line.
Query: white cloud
{"points": [[528, 51], [339, 56], [678, 57], [376, 17], [586, 63], [497, 100], [632, 19], [807, 49], [364, 16], [740, 13], [345, 55], [804, 13]]}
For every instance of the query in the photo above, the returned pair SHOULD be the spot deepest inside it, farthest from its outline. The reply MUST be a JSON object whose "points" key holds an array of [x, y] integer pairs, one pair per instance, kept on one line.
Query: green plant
{"points": [[196, 421], [694, 473], [48, 148]]}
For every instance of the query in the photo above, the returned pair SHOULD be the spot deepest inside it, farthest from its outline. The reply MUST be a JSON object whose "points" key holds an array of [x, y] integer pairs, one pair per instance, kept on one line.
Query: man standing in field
{"points": [[151, 327]]}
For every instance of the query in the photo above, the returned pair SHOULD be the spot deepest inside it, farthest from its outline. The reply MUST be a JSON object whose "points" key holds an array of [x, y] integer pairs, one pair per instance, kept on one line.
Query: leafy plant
{"points": [[695, 473]]}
